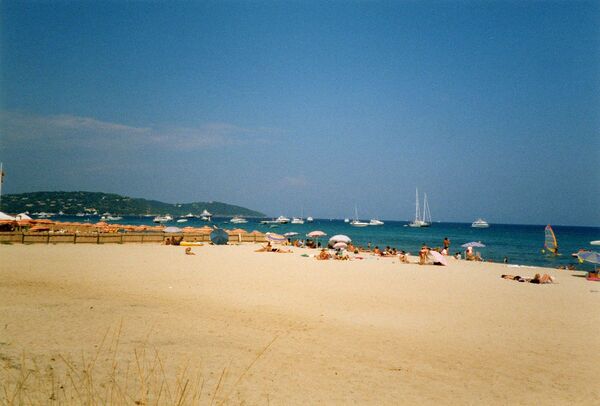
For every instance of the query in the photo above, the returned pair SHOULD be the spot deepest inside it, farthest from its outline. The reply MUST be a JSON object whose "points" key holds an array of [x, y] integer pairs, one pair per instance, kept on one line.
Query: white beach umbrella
{"points": [[4, 216], [172, 230], [437, 257], [23, 216], [340, 238], [340, 245]]}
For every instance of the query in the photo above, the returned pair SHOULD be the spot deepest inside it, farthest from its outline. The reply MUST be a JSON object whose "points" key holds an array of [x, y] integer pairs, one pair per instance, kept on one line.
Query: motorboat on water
{"points": [[162, 219], [110, 218], [182, 220], [309, 219], [282, 220], [346, 220], [376, 222], [205, 215], [189, 216], [480, 223], [238, 220], [424, 219]]}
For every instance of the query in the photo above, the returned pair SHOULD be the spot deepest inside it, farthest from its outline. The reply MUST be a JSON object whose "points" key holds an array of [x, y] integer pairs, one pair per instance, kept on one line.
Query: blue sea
{"points": [[521, 244]]}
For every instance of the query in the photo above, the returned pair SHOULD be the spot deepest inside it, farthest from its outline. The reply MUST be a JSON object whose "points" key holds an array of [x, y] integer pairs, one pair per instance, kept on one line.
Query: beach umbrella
{"points": [[316, 234], [276, 238], [172, 230], [23, 216], [340, 238], [219, 237], [340, 245], [473, 244], [4, 216], [437, 257], [589, 256]]}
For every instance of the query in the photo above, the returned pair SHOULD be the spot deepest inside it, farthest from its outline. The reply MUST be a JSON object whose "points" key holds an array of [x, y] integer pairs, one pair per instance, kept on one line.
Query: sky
{"points": [[314, 108]]}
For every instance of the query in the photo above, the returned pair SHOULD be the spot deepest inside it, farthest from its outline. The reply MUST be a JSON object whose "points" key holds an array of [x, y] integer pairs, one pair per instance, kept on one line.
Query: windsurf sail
{"points": [[550, 242]]}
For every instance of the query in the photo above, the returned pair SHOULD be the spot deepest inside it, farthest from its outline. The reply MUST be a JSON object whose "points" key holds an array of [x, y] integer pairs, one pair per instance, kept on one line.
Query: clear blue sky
{"points": [[492, 108]]}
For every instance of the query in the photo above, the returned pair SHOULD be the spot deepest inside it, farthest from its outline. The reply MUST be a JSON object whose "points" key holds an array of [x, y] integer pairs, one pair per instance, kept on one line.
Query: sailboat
{"points": [[550, 242], [205, 215], [298, 220], [356, 222], [423, 220]]}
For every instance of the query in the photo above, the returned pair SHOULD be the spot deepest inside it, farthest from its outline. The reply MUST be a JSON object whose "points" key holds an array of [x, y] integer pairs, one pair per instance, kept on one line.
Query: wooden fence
{"points": [[24, 237]]}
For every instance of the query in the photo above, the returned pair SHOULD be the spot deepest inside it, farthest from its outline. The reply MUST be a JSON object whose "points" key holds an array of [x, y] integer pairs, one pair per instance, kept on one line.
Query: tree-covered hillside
{"points": [[96, 202]]}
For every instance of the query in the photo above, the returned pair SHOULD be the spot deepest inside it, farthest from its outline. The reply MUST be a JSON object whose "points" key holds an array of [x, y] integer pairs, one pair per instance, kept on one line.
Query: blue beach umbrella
{"points": [[473, 244], [589, 256], [219, 237]]}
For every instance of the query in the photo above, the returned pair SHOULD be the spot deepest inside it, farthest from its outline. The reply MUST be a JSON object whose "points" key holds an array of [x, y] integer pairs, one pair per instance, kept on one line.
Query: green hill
{"points": [[89, 202]]}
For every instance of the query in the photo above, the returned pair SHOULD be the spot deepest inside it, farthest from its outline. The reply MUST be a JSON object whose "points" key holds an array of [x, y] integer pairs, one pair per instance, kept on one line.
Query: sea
{"points": [[519, 244]]}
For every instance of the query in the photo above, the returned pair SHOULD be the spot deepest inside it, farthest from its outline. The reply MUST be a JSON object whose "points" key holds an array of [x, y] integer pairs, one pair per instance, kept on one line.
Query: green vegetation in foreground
{"points": [[96, 202]]}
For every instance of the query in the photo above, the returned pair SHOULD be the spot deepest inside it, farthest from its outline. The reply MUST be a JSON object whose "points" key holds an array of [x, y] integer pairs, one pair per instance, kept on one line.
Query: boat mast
{"points": [[426, 213], [417, 205]]}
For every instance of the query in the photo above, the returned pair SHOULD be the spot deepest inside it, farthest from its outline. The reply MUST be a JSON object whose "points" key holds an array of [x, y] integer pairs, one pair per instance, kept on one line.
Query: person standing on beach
{"points": [[446, 244]]}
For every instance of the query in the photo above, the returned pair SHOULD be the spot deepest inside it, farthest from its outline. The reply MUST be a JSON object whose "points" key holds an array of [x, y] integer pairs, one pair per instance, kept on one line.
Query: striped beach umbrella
{"points": [[275, 238]]}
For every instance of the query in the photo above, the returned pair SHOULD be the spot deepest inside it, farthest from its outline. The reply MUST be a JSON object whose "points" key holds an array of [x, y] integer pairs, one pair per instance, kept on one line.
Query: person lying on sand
{"points": [[403, 256], [265, 248], [538, 279], [188, 251], [269, 248], [323, 255]]}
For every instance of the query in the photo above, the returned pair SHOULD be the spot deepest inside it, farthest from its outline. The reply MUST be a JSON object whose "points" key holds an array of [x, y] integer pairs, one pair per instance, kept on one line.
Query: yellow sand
{"points": [[265, 328]]}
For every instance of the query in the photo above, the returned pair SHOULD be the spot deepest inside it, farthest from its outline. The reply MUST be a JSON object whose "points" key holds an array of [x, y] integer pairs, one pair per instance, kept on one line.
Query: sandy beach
{"points": [[230, 326]]}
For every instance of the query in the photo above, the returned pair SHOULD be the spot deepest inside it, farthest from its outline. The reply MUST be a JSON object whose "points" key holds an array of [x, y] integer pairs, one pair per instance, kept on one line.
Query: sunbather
{"points": [[323, 255], [423, 254], [265, 248], [538, 279]]}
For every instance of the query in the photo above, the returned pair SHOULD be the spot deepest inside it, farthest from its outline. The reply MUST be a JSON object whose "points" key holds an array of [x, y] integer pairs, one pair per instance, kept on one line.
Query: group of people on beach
{"points": [[424, 255]]}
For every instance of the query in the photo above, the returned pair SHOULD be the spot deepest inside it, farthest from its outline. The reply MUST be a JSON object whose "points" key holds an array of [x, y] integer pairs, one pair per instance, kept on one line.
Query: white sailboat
{"points": [[356, 222], [423, 220], [298, 220]]}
